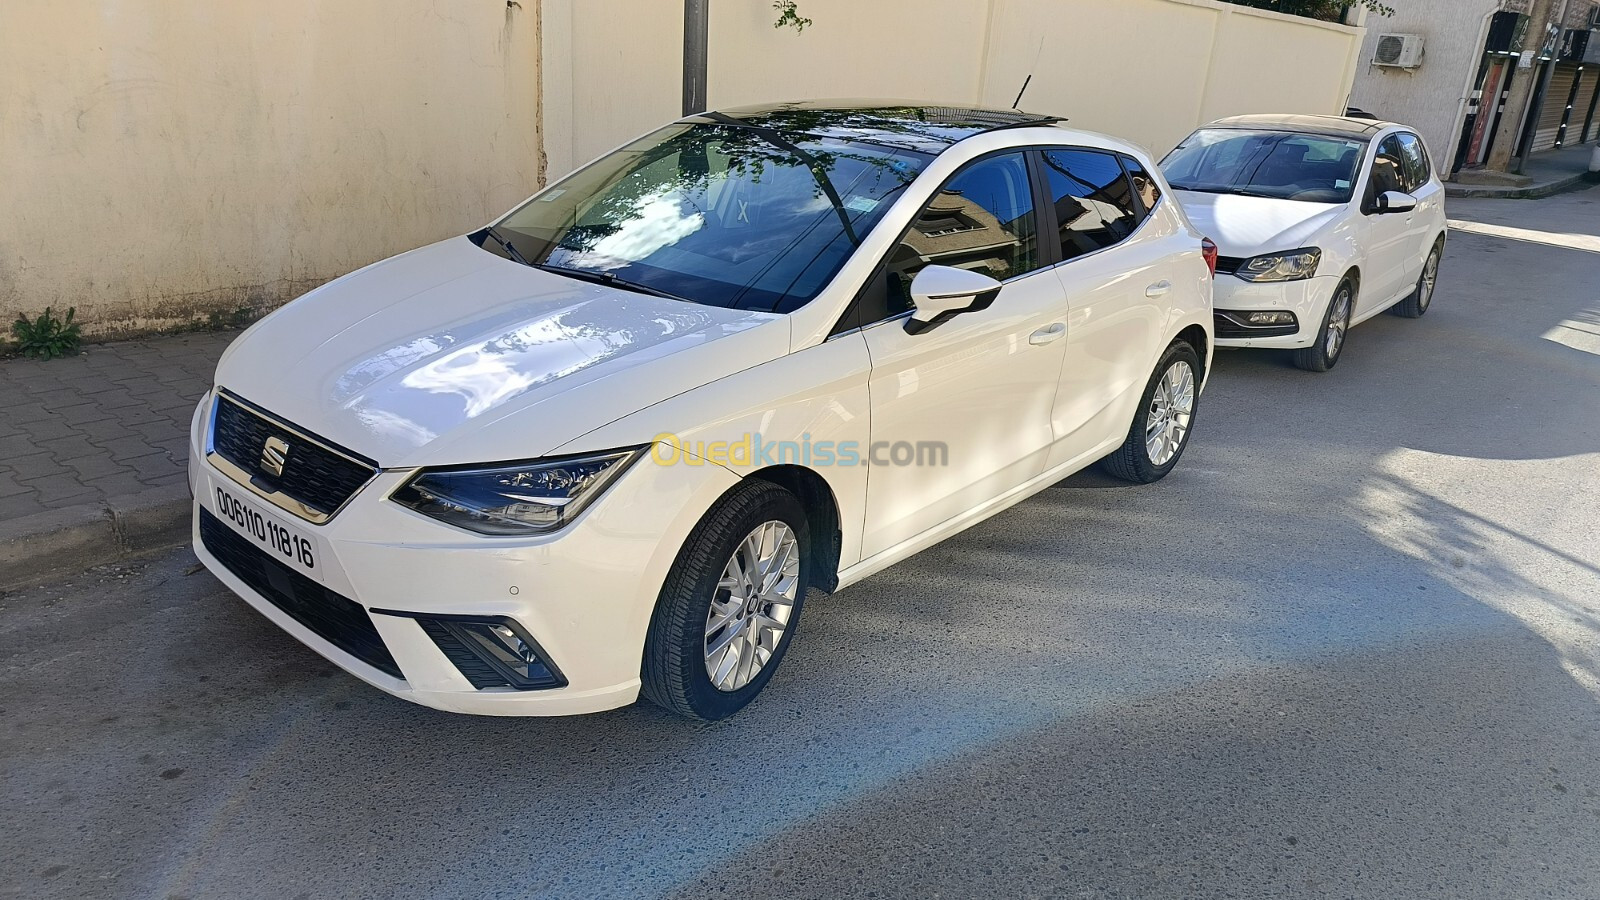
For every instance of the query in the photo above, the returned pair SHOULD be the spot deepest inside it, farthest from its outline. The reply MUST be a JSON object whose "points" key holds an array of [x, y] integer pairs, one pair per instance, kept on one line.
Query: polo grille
{"points": [[315, 475], [1227, 265], [334, 617]]}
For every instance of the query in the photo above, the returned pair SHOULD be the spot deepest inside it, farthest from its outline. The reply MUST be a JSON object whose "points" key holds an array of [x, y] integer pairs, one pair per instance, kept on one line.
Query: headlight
{"points": [[1292, 266], [526, 498]]}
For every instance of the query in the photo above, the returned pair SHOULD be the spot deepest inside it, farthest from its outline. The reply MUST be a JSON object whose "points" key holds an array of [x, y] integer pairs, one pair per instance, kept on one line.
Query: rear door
{"points": [[1386, 237], [1113, 271], [1427, 222]]}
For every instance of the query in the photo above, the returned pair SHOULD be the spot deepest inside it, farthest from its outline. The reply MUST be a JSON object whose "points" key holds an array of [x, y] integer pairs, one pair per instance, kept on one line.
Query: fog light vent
{"points": [[490, 651], [1271, 317]]}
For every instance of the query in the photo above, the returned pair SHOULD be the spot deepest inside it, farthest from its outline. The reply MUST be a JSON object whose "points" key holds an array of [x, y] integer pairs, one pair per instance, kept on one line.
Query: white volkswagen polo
{"points": [[607, 445], [1322, 222]]}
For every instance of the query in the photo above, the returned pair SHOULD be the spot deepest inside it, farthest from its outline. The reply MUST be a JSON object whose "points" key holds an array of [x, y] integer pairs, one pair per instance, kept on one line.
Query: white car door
{"points": [[1116, 278], [1386, 237], [1427, 222], [961, 412]]}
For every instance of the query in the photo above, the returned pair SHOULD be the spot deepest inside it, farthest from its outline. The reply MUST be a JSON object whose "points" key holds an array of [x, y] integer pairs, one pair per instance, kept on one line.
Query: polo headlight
{"points": [[523, 498], [1296, 265]]}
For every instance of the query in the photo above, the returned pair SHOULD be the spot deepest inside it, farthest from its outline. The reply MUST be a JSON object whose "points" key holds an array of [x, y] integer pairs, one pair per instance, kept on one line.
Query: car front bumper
{"points": [[1307, 299], [585, 594]]}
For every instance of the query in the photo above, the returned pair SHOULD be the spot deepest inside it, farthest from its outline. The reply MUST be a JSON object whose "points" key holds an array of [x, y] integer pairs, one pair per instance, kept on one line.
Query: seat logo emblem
{"points": [[274, 453]]}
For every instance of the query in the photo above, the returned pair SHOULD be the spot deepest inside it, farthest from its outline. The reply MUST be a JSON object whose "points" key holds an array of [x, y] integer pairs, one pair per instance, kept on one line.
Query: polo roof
{"points": [[1332, 126]]}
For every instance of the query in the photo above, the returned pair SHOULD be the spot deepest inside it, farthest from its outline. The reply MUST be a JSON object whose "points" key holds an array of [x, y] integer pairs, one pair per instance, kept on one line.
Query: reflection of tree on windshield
{"points": [[728, 213]]}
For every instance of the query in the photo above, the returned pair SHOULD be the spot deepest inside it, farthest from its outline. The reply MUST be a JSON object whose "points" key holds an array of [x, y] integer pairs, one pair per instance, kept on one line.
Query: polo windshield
{"points": [[1285, 165]]}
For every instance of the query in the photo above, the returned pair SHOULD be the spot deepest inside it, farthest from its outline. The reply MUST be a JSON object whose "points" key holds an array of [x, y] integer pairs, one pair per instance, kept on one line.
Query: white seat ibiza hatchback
{"points": [[1322, 222], [606, 445]]}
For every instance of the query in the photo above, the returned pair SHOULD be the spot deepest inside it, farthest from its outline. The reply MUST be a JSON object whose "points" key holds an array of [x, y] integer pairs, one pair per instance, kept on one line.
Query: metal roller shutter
{"points": [[1584, 111], [1554, 106]]}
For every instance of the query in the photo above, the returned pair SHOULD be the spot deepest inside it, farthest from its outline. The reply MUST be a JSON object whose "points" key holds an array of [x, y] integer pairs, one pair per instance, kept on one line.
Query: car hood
{"points": [[1250, 226], [449, 354]]}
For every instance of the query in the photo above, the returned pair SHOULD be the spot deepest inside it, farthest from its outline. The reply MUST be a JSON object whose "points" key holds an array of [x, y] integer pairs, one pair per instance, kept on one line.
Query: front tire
{"points": [[1323, 354], [728, 609], [1415, 305], [1161, 427]]}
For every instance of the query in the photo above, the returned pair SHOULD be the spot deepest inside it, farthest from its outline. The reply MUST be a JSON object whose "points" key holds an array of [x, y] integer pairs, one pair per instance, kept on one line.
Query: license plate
{"points": [[282, 542]]}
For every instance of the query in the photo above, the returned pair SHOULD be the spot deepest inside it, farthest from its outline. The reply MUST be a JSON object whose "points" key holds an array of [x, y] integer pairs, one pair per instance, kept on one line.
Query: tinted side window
{"points": [[982, 219], [1416, 161], [1093, 200], [1143, 185], [1388, 167]]}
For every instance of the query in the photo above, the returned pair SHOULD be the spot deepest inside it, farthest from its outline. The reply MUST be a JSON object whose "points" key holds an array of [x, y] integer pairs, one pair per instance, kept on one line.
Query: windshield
{"points": [[726, 215], [1266, 164]]}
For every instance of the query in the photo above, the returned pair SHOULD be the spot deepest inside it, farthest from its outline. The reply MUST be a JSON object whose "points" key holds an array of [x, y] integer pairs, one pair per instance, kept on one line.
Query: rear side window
{"points": [[1144, 186], [1093, 200], [1415, 161], [1388, 167]]}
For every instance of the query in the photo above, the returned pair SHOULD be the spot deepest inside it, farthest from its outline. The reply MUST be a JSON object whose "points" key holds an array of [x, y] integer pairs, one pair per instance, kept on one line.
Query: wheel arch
{"points": [[822, 518], [1353, 275], [1196, 337]]}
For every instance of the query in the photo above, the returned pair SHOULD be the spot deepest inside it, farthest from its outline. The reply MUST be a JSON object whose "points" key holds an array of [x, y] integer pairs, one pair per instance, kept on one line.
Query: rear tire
{"points": [[1417, 303], [1164, 421], [701, 606], [1324, 353]]}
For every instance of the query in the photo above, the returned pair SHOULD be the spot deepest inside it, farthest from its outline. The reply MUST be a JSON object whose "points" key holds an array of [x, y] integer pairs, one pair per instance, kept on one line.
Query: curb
{"points": [[64, 541], [1533, 192]]}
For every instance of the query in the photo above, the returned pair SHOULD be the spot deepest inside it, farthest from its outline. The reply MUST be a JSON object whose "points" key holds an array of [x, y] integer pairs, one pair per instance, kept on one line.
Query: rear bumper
{"points": [[1307, 299]]}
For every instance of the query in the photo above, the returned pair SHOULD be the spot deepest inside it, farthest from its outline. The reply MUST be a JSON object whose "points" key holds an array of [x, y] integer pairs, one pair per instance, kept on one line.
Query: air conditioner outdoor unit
{"points": [[1403, 51]]}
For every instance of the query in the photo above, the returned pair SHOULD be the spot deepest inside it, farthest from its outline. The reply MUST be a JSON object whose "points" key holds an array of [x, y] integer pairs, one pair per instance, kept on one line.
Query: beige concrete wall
{"points": [[916, 49], [164, 161], [613, 68], [1146, 70]]}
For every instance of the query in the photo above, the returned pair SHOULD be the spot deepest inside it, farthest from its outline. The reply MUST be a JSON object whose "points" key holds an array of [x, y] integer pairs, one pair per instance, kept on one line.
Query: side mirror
{"points": [[1395, 202], [940, 292]]}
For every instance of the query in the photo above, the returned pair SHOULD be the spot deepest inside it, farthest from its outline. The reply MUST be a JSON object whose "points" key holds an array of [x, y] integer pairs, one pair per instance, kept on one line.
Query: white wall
{"points": [[1151, 70], [1146, 70], [164, 160]]}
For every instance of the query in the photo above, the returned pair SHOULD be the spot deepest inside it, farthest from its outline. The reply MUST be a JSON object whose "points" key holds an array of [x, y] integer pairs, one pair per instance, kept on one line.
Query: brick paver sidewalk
{"points": [[108, 423]]}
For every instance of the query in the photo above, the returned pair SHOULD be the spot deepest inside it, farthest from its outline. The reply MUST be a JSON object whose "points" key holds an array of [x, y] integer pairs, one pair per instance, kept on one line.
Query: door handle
{"points": [[1047, 334], [1159, 289]]}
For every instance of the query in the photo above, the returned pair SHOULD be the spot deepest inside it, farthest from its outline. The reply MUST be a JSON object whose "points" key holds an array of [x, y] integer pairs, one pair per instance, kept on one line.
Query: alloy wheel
{"points": [[1338, 322], [1171, 410], [1430, 275], [753, 603]]}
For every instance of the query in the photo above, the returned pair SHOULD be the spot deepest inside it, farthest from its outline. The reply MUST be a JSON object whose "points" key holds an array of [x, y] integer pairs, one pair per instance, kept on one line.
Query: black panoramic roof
{"points": [[890, 123], [1331, 126]]}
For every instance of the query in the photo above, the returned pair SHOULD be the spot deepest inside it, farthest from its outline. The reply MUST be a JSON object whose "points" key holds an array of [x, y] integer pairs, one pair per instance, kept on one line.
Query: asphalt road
{"points": [[1349, 649]]}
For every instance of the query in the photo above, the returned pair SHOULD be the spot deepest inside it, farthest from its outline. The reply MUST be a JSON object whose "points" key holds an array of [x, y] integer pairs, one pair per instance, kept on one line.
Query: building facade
{"points": [[1446, 67]]}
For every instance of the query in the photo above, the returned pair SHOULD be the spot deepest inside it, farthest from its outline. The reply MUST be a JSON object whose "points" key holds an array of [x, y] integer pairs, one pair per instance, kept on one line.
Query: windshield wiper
{"points": [[607, 279], [1240, 192], [507, 247]]}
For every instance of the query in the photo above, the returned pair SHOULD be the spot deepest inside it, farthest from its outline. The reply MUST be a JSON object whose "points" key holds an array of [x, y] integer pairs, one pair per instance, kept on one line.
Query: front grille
{"points": [[314, 472], [1227, 265], [334, 617]]}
